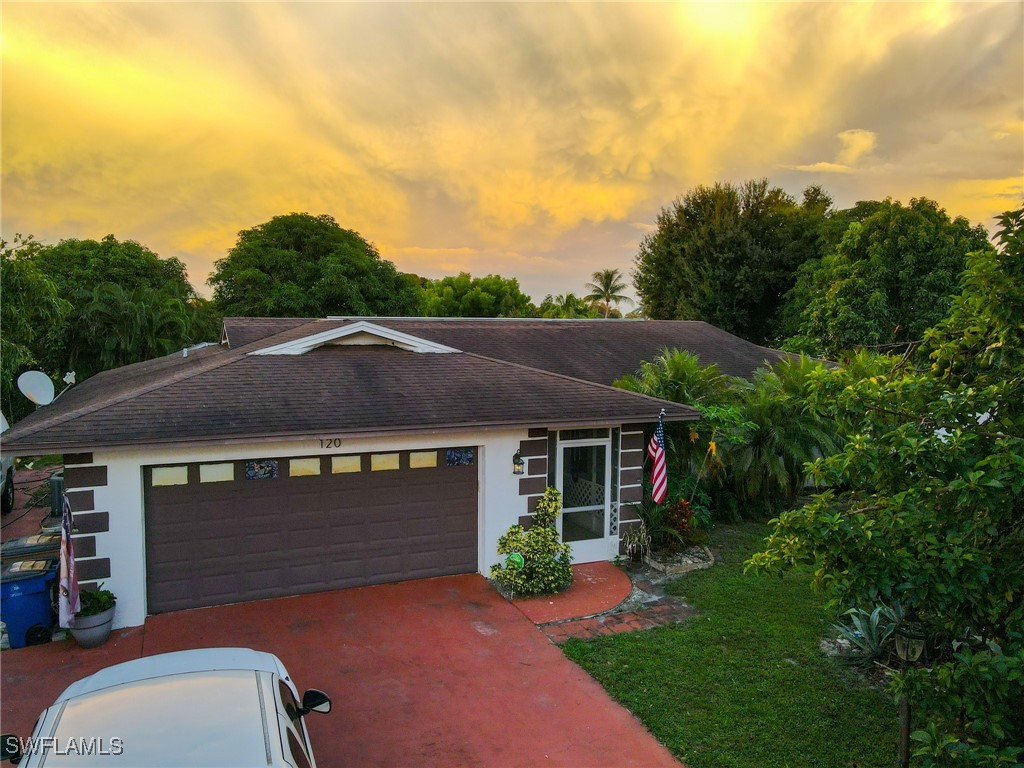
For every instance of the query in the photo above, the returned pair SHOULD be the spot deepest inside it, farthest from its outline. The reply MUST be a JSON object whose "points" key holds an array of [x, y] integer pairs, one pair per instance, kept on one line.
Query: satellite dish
{"points": [[36, 386]]}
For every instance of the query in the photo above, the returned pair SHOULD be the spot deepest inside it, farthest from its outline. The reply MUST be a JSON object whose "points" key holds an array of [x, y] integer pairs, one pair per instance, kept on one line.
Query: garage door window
{"points": [[170, 476], [303, 467], [216, 473], [460, 457], [422, 459], [382, 461], [263, 469], [343, 464]]}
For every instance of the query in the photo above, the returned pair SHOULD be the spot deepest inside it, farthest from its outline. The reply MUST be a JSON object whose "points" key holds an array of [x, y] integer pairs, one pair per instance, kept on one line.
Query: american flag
{"points": [[68, 599], [656, 450]]}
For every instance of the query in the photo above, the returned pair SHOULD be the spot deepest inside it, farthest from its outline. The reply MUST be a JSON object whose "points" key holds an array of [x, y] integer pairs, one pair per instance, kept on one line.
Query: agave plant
{"points": [[869, 632]]}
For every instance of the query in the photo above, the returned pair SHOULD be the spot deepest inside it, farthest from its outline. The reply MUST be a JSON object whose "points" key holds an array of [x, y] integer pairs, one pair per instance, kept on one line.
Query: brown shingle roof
{"points": [[593, 350], [219, 393]]}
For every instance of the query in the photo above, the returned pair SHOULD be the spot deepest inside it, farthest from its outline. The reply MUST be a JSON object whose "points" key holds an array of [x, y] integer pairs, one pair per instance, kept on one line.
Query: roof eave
{"points": [[41, 447]]}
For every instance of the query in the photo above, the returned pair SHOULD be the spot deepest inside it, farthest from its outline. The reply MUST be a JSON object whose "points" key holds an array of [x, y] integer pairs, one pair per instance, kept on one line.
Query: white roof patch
{"points": [[360, 333]]}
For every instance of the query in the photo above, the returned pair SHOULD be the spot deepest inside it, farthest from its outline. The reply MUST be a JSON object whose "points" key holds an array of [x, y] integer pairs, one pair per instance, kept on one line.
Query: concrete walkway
{"points": [[437, 672]]}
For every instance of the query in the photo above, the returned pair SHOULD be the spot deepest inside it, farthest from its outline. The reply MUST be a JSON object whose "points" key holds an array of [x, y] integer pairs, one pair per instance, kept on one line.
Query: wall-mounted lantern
{"points": [[518, 465]]}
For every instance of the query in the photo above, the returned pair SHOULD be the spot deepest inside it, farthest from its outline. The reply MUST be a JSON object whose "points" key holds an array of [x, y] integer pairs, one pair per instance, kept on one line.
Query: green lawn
{"points": [[744, 683]]}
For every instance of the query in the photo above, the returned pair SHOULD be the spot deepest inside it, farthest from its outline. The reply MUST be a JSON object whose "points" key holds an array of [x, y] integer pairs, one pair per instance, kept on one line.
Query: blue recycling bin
{"points": [[26, 601]]}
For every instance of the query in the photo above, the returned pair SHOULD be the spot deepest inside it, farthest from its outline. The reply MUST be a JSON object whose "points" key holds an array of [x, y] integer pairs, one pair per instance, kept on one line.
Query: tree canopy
{"points": [[465, 296], [924, 509], [97, 280], [728, 254], [83, 264], [31, 315], [890, 277], [299, 265]]}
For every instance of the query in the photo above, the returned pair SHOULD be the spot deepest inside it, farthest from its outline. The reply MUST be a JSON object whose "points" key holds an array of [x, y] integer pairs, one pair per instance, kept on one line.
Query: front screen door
{"points": [[584, 470]]}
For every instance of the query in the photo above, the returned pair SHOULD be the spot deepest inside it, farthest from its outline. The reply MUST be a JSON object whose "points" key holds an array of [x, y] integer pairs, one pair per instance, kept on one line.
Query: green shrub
{"points": [[95, 601], [547, 562]]}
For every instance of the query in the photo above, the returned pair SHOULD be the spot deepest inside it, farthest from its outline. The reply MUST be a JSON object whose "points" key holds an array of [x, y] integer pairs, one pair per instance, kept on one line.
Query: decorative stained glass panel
{"points": [[460, 457], [262, 469]]}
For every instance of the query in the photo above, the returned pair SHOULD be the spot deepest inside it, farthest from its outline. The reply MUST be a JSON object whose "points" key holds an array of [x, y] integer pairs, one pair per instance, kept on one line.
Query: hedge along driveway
{"points": [[744, 682]]}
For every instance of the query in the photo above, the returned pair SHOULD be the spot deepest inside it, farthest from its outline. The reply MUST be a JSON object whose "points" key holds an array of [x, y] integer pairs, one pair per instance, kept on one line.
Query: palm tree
{"points": [[565, 306], [678, 375], [607, 287], [787, 434], [116, 327]]}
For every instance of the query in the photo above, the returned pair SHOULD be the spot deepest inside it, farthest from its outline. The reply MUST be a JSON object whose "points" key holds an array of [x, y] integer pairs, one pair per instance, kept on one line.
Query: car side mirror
{"points": [[315, 701], [10, 748]]}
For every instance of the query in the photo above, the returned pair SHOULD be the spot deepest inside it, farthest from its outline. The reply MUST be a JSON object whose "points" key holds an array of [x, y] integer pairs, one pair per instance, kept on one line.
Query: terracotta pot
{"points": [[91, 631]]}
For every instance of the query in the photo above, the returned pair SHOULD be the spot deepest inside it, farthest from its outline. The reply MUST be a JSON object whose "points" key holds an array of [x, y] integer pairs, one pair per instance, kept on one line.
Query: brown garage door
{"points": [[246, 530]]}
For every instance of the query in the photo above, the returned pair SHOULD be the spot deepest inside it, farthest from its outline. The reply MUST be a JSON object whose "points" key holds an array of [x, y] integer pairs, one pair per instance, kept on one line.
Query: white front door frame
{"points": [[588, 550]]}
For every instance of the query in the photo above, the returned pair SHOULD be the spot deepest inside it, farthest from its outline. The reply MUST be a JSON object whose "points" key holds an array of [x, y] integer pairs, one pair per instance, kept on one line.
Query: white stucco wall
{"points": [[124, 542]]}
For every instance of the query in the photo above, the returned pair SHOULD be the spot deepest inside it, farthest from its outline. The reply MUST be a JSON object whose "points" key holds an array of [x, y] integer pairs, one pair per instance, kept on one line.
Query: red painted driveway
{"points": [[438, 672]]}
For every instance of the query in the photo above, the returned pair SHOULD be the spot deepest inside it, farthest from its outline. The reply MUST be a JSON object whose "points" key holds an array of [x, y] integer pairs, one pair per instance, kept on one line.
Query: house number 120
{"points": [[330, 442]]}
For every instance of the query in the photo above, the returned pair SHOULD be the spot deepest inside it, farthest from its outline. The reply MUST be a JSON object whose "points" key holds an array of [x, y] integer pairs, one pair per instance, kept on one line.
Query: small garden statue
{"points": [[546, 561]]}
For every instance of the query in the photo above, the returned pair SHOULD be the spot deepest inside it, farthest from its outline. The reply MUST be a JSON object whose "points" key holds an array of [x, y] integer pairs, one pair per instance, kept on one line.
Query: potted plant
{"points": [[94, 620]]}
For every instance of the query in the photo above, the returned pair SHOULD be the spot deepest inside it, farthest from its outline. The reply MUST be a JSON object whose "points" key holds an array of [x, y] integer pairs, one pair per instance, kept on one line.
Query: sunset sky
{"points": [[532, 140]]}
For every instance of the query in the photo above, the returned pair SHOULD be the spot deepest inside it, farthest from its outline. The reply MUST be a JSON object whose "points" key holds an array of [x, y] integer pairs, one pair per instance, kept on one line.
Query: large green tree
{"points": [[727, 254], [465, 296], [32, 314], [86, 272], [83, 264], [299, 265], [891, 276], [927, 510]]}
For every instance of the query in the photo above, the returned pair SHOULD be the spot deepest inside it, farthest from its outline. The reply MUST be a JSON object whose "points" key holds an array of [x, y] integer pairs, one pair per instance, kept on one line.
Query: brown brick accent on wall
{"points": [[85, 477], [626, 514], [92, 522], [536, 467], [632, 441], [533, 448], [535, 481], [631, 476], [531, 485], [631, 495], [84, 546], [90, 568], [632, 458], [93, 569], [81, 501]]}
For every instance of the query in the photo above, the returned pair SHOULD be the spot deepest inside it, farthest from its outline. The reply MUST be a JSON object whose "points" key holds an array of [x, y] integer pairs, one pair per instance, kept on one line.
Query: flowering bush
{"points": [[547, 562]]}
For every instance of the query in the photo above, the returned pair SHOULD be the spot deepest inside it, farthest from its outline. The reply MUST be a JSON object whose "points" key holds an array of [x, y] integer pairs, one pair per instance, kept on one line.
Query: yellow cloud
{"points": [[856, 143], [489, 137]]}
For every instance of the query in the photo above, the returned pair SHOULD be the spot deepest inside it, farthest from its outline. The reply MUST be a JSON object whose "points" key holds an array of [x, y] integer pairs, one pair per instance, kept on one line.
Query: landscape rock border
{"points": [[685, 564]]}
